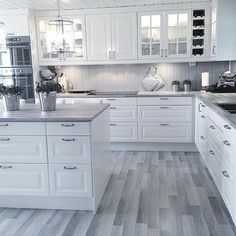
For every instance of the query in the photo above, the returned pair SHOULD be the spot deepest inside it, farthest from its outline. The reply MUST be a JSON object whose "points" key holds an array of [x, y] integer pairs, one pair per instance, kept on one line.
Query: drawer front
{"points": [[24, 179], [81, 100], [165, 132], [123, 113], [123, 132], [69, 149], [165, 113], [148, 101], [120, 101], [22, 128], [68, 128], [70, 180], [23, 149]]}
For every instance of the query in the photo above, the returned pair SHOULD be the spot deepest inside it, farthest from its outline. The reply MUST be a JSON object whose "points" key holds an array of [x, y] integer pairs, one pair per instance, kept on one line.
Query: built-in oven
{"points": [[20, 77], [18, 52]]}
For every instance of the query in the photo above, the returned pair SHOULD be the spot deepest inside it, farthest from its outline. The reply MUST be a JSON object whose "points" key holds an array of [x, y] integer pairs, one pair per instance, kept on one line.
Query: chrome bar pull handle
{"points": [[4, 139], [70, 167], [225, 173], [68, 140], [5, 167], [4, 125], [67, 125], [226, 143]]}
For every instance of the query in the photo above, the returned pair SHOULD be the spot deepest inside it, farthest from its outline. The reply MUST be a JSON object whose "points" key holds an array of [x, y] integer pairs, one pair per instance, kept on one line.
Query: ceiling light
{"points": [[61, 26]]}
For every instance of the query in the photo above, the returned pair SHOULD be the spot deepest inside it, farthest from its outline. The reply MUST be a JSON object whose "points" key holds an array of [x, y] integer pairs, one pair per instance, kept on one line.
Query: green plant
{"points": [[175, 82], [48, 87], [10, 90], [187, 81]]}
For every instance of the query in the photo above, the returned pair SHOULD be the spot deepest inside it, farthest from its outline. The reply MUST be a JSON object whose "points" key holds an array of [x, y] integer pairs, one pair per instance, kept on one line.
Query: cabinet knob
{"points": [[112, 124], [202, 137], [68, 140], [67, 125], [225, 173], [227, 127], [212, 127], [211, 152], [70, 167], [5, 167], [112, 108], [226, 142], [203, 116]]}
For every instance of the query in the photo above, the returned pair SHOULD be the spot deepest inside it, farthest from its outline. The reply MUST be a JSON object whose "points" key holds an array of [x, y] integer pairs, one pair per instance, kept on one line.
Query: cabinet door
{"points": [[164, 132], [124, 36], [214, 29], [123, 113], [15, 25], [151, 35], [177, 34], [69, 149], [70, 180], [74, 39], [23, 149], [123, 131], [98, 37], [165, 113], [24, 179]]}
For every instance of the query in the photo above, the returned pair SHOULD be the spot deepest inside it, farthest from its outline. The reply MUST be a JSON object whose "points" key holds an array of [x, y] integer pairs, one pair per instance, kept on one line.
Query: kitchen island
{"points": [[54, 160]]}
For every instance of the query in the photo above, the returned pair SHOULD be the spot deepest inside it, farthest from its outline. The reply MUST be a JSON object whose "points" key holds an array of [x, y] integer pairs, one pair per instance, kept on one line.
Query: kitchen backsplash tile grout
{"points": [[128, 77]]}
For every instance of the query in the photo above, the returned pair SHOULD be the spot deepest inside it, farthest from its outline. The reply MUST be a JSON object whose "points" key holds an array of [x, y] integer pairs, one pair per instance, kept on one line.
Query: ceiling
{"points": [[82, 4]]}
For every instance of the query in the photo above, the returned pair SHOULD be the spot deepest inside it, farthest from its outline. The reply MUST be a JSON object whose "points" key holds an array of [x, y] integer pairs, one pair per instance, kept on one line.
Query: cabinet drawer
{"points": [[68, 128], [70, 180], [123, 132], [24, 179], [165, 113], [148, 101], [69, 149], [121, 101], [123, 113], [23, 149], [22, 128], [165, 132]]}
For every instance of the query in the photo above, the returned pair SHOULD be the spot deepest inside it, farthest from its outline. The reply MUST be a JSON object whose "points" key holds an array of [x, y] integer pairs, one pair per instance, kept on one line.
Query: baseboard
{"points": [[181, 147]]}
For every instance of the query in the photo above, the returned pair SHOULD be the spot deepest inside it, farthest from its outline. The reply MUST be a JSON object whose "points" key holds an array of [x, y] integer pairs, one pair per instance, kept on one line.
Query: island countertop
{"points": [[64, 112]]}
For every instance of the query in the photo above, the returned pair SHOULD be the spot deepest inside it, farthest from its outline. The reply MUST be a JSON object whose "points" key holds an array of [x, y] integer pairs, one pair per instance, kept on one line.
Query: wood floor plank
{"points": [[148, 194]]}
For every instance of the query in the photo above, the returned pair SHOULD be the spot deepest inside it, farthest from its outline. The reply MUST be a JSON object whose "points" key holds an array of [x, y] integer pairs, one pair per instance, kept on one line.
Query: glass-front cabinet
{"points": [[49, 42], [164, 34], [150, 35]]}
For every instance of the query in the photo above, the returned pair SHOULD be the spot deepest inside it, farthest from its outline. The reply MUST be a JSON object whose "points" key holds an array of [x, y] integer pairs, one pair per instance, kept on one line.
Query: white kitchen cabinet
{"points": [[15, 25], [69, 149], [164, 132], [75, 41], [24, 179], [70, 180], [112, 37], [68, 128], [165, 113], [164, 34], [223, 47], [23, 149], [123, 131]]}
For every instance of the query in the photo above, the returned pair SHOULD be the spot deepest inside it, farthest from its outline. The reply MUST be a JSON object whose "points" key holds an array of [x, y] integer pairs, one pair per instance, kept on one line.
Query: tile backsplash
{"points": [[128, 77]]}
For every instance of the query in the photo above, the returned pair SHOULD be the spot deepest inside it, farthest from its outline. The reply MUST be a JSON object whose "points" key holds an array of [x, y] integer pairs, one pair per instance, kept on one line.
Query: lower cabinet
{"points": [[73, 180], [24, 179], [123, 131], [165, 132]]}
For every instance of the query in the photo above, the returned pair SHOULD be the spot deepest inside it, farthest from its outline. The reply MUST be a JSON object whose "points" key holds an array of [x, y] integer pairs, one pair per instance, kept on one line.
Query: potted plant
{"points": [[11, 96], [175, 85], [47, 95], [187, 85]]}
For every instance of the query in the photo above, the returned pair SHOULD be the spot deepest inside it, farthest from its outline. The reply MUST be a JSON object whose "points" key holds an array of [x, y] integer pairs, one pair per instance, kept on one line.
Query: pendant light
{"points": [[60, 39], [2, 38]]}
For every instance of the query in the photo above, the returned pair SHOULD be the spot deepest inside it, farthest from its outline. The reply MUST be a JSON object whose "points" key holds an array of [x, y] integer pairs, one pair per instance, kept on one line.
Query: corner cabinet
{"points": [[164, 34], [75, 41], [112, 37]]}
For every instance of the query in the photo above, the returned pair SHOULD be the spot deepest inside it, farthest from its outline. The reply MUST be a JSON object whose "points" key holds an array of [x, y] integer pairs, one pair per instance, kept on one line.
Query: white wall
{"points": [[128, 77]]}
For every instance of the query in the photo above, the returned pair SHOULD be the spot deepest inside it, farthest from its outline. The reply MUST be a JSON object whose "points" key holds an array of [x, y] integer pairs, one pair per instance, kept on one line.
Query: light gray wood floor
{"points": [[149, 193]]}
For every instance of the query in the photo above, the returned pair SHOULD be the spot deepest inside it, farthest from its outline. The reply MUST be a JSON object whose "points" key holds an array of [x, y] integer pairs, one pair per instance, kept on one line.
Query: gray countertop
{"points": [[63, 113], [210, 99]]}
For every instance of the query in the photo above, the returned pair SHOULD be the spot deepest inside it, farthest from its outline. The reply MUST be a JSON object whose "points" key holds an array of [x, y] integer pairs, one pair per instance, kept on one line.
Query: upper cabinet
{"points": [[15, 25], [223, 34], [111, 37], [164, 34], [74, 41]]}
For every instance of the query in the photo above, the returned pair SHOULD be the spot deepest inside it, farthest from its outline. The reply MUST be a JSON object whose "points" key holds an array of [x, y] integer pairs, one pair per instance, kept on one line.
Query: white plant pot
{"points": [[48, 101], [11, 102]]}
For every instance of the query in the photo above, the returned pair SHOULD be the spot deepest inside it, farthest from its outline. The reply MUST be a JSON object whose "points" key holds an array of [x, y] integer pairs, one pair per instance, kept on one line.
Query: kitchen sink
{"points": [[229, 107]]}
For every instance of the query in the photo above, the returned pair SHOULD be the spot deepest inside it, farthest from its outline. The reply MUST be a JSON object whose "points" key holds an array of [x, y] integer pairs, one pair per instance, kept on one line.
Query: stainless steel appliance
{"points": [[21, 77], [16, 65]]}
